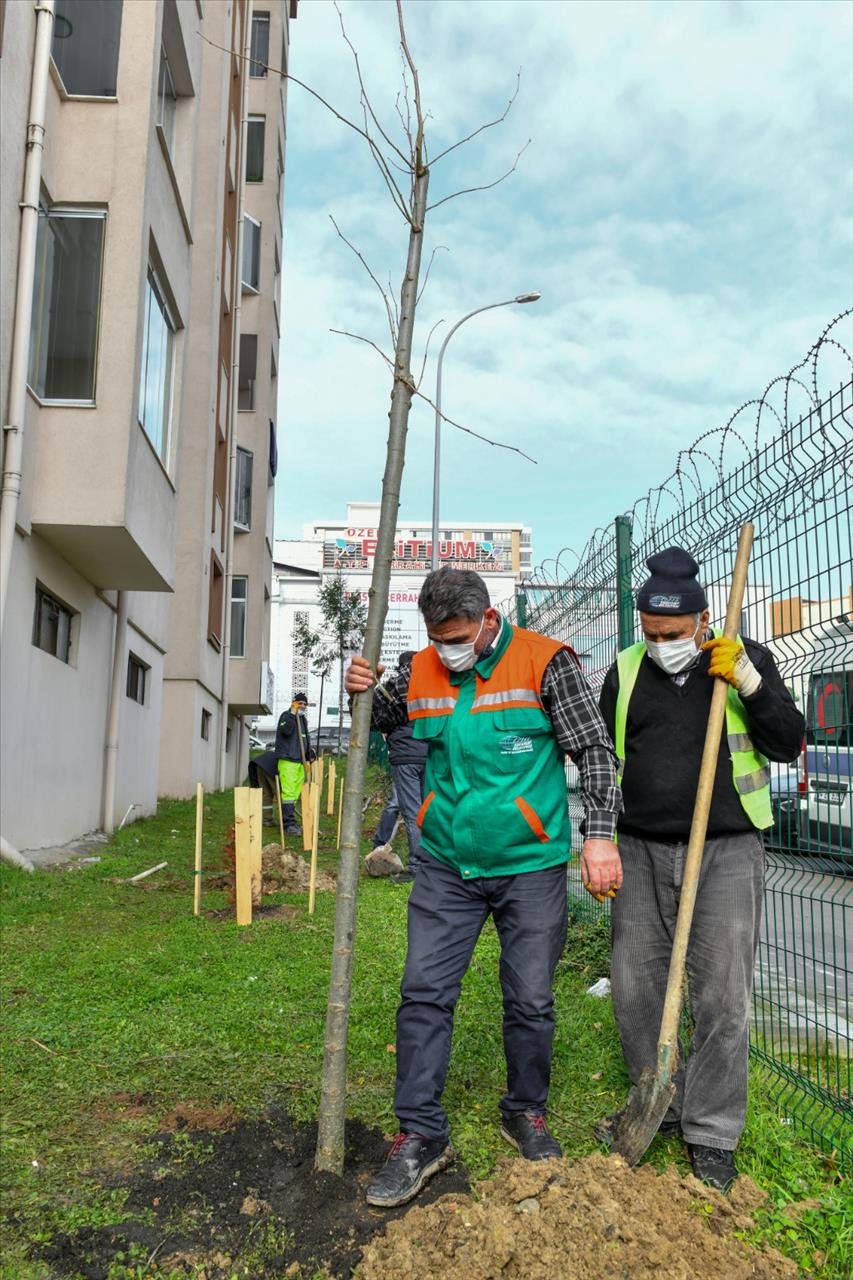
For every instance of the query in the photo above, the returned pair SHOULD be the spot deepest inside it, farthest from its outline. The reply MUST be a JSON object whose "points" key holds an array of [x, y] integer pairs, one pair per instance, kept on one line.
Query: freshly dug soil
{"points": [[227, 1196], [285, 872], [596, 1219]]}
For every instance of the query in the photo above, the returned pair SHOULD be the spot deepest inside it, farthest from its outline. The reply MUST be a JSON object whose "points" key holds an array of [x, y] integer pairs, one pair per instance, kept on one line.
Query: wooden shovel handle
{"points": [[699, 825]]}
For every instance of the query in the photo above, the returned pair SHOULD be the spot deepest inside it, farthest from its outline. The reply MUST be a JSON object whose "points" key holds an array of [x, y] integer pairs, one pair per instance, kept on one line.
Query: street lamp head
{"points": [[528, 297]]}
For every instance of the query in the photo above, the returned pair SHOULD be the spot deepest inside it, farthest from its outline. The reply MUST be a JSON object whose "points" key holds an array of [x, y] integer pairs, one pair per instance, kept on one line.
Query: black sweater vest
{"points": [[665, 736]]}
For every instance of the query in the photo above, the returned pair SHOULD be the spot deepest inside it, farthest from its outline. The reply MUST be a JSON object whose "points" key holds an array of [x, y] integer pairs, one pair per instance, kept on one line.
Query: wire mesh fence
{"points": [[785, 462]]}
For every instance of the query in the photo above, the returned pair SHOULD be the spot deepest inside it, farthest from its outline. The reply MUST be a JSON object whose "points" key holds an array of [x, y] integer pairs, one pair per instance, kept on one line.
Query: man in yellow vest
{"points": [[655, 701], [499, 708]]}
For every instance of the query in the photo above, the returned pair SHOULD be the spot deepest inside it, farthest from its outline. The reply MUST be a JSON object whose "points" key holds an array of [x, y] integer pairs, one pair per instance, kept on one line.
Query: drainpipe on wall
{"points": [[231, 479], [108, 817], [8, 853], [13, 428]]}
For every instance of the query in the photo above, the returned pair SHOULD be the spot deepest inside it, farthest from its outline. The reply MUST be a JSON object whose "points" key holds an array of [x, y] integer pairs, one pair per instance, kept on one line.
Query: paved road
{"points": [[804, 967]]}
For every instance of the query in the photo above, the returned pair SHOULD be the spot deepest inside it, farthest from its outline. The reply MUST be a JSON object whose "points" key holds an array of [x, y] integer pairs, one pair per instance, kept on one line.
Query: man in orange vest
{"points": [[499, 708]]}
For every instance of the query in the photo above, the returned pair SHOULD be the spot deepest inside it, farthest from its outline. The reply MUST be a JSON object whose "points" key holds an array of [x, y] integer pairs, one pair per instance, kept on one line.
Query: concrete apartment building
{"points": [[136, 602]]}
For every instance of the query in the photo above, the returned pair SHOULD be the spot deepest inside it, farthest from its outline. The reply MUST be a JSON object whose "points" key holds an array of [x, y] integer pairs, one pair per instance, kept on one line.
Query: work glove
{"points": [[729, 661]]}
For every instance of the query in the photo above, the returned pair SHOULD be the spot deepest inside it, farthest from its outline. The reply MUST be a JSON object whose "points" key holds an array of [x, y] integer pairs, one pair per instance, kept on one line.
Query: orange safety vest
{"points": [[496, 800]]}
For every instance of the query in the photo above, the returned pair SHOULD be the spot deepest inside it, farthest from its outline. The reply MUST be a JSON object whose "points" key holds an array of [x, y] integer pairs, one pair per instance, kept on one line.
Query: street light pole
{"points": [[436, 477]]}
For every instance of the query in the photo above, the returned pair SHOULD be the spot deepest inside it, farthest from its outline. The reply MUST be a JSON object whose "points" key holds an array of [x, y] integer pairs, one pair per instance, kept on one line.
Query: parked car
{"points": [[828, 825], [789, 804]]}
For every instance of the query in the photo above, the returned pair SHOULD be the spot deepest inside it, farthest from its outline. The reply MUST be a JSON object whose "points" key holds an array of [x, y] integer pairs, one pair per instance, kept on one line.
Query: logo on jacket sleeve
{"points": [[515, 744]]}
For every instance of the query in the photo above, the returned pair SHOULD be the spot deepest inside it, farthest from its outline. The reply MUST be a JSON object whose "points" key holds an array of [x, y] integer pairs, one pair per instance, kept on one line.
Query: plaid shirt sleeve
{"points": [[581, 732], [390, 712]]}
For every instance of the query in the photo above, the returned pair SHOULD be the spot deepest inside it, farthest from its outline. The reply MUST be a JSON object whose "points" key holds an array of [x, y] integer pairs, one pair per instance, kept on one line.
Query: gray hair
{"points": [[453, 593]]}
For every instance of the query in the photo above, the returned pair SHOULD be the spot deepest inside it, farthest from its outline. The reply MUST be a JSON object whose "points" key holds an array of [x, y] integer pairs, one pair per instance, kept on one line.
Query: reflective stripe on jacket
{"points": [[495, 787]]}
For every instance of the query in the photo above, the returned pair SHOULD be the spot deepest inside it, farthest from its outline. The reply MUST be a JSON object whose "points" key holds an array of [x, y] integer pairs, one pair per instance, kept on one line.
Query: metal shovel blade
{"points": [[639, 1119]]}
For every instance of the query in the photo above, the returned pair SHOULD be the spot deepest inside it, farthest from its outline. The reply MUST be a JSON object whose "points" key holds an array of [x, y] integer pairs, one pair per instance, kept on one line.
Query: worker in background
{"points": [[407, 756], [655, 701], [293, 751], [498, 708]]}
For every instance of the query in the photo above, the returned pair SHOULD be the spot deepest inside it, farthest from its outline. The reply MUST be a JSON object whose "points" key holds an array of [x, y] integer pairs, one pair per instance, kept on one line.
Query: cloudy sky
{"points": [[683, 207]]}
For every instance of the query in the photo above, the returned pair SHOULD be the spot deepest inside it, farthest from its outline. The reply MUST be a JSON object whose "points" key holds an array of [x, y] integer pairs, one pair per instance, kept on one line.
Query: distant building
{"points": [[136, 633], [500, 551]]}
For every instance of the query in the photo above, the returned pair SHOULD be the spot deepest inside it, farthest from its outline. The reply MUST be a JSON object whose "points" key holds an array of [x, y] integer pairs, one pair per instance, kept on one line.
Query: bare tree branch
{"points": [[496, 444], [383, 166], [426, 353], [359, 338], [458, 425], [396, 194], [364, 97], [393, 298], [491, 124], [418, 155], [486, 186], [429, 267], [363, 261]]}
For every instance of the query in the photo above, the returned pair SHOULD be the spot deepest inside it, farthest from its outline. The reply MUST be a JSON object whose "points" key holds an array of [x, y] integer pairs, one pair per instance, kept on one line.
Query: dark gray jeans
{"points": [[710, 1098], [446, 915]]}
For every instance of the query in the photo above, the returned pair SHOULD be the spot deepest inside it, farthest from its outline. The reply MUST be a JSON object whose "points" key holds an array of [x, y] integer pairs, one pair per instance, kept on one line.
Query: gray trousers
{"points": [[711, 1089]]}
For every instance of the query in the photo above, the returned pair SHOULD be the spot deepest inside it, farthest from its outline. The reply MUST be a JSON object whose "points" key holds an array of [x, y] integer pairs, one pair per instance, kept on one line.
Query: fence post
{"points": [[624, 591], [521, 608]]}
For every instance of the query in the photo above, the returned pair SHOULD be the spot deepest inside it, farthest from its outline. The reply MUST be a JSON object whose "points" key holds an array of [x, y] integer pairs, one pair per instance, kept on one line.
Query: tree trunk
{"points": [[341, 701], [320, 712], [330, 1133]]}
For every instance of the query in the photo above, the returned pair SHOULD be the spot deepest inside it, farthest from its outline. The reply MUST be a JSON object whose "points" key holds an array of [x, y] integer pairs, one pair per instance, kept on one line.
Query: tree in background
{"points": [[343, 619], [309, 645]]}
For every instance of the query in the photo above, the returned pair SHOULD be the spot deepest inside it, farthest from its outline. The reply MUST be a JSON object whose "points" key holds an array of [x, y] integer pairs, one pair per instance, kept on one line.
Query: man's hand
{"points": [[601, 867], [359, 676], [729, 662]]}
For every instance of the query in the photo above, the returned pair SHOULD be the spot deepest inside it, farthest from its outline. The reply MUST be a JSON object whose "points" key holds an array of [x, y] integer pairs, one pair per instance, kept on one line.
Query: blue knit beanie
{"points": [[673, 587]]}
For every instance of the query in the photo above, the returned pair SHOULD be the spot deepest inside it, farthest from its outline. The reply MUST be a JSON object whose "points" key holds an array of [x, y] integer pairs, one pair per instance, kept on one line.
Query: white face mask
{"points": [[459, 657], [673, 656]]}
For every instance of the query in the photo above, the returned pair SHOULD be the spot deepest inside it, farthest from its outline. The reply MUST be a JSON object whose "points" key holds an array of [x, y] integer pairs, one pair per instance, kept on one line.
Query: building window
{"points": [[167, 102], [248, 371], [239, 597], [228, 740], [205, 725], [243, 489], [255, 133], [299, 665], [137, 679], [273, 365], [155, 377], [66, 304], [52, 626], [251, 277], [260, 47], [216, 590], [85, 46]]}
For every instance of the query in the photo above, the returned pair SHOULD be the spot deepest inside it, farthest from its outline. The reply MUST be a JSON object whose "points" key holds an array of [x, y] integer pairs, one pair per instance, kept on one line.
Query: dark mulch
{"points": [[246, 1198]]}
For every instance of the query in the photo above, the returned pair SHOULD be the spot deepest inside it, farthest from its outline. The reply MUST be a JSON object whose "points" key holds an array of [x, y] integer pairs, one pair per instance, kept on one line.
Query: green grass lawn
{"points": [[112, 989]]}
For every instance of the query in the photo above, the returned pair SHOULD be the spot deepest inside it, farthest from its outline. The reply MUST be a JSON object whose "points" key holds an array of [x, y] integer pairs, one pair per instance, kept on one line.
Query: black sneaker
{"points": [[713, 1166], [605, 1130], [402, 877], [410, 1163], [529, 1134]]}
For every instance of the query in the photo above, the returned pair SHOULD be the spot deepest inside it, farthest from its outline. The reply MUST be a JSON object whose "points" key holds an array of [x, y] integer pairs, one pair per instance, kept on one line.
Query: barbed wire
{"points": [[771, 456]]}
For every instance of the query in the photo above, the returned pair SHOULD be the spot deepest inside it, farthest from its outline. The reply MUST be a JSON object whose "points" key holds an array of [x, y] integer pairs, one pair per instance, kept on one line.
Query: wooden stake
{"points": [[278, 806], [256, 833], [330, 798], [243, 855], [315, 840], [199, 823], [307, 819], [340, 813]]}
